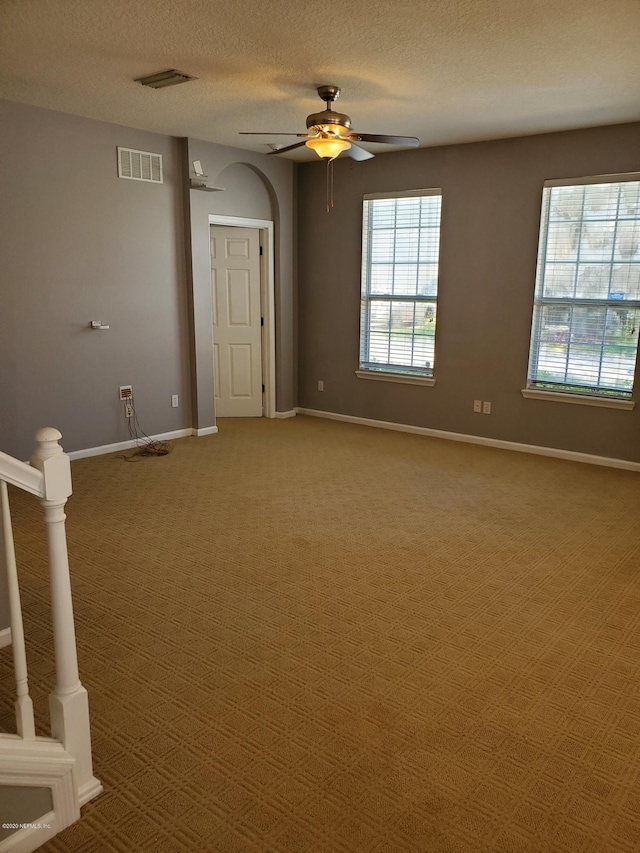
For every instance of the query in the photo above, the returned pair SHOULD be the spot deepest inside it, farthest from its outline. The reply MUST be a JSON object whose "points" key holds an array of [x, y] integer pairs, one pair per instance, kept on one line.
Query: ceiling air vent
{"points": [[165, 78], [139, 165]]}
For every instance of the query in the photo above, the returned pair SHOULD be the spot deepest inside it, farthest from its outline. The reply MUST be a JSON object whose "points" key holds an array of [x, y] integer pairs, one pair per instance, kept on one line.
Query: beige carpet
{"points": [[312, 637]]}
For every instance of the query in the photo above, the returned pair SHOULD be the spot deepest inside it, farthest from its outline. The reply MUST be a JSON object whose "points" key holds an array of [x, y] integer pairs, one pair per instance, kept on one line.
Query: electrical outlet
{"points": [[174, 401], [477, 406], [320, 385], [486, 408], [128, 410], [126, 392]]}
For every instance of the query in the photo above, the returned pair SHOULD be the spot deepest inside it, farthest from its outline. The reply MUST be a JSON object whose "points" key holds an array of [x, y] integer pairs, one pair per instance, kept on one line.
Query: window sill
{"points": [[402, 378], [577, 399]]}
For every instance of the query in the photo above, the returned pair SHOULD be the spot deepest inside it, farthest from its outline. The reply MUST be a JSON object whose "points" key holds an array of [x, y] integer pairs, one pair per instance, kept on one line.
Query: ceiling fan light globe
{"points": [[328, 148]]}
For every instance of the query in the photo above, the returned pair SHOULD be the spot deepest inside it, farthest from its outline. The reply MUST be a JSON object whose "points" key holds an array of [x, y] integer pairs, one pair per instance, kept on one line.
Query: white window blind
{"points": [[584, 335], [400, 249]]}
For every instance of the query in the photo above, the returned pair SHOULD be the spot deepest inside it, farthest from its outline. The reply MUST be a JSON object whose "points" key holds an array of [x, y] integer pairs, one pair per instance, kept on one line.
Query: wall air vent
{"points": [[139, 165]]}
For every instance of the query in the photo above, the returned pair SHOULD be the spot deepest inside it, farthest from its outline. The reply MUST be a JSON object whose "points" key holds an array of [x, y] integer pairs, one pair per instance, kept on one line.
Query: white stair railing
{"points": [[48, 477]]}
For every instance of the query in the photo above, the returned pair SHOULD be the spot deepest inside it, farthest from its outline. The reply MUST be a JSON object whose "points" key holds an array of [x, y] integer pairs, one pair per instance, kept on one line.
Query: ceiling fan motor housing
{"points": [[327, 120]]}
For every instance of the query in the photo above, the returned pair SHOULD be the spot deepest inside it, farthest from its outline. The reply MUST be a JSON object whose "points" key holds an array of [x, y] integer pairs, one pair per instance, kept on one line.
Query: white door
{"points": [[237, 334]]}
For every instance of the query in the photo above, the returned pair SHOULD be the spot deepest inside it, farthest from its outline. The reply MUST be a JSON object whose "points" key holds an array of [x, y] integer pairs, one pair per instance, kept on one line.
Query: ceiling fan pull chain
{"points": [[329, 185], [332, 183], [327, 205]]}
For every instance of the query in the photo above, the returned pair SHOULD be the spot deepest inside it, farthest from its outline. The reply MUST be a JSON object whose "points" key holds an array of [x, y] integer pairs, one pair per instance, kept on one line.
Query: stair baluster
{"points": [[69, 703], [24, 705]]}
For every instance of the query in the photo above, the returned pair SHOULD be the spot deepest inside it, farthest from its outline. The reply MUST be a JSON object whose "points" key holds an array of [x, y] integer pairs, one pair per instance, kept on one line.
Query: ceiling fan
{"points": [[329, 133]]}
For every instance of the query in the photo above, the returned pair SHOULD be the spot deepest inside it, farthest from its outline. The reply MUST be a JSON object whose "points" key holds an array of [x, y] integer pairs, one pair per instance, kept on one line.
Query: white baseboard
{"points": [[128, 445], [89, 790], [5, 637], [557, 453], [289, 414], [212, 430]]}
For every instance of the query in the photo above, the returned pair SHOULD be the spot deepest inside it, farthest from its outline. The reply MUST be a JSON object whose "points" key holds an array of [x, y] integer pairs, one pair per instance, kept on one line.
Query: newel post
{"points": [[69, 703]]}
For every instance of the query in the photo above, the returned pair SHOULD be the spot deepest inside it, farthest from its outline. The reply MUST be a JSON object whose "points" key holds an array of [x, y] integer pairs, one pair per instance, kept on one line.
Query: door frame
{"points": [[267, 301]]}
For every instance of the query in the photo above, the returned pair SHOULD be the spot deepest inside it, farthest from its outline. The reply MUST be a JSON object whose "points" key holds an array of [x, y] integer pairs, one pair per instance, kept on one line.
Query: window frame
{"points": [[388, 372], [574, 392]]}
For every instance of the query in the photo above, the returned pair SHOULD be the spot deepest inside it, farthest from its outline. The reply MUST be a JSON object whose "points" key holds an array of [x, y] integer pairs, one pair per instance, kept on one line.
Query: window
{"points": [[584, 337], [400, 245]]}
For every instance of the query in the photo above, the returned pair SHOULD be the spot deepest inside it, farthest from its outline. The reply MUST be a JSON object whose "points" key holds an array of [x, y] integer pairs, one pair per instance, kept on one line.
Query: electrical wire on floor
{"points": [[145, 445]]}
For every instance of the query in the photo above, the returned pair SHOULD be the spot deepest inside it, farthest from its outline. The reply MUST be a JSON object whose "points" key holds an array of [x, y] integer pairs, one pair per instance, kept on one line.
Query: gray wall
{"points": [[256, 186], [78, 243], [490, 221]]}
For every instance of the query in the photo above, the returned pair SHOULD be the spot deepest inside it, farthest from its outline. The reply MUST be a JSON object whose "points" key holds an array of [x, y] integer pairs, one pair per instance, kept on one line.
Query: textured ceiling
{"points": [[444, 70]]}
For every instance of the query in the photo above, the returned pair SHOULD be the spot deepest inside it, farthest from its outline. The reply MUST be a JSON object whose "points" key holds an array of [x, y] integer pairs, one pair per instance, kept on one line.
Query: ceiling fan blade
{"points": [[410, 141], [358, 153], [288, 148], [264, 133]]}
